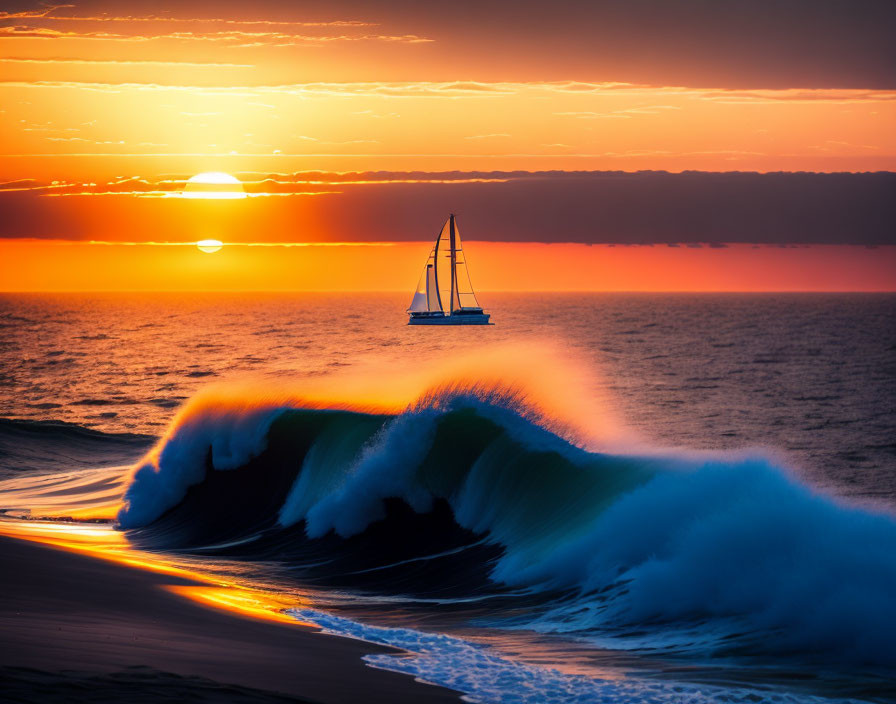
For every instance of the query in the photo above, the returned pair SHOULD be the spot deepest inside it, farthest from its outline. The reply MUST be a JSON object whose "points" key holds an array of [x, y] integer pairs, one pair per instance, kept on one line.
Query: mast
{"points": [[453, 261], [435, 261]]}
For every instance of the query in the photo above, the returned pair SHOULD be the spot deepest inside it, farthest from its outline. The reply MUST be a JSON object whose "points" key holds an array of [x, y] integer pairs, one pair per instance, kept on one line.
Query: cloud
{"points": [[625, 113], [254, 183], [316, 140], [834, 144], [736, 45], [121, 62], [51, 14], [831, 96], [231, 38], [612, 207], [589, 115], [350, 89], [33, 14], [456, 89]]}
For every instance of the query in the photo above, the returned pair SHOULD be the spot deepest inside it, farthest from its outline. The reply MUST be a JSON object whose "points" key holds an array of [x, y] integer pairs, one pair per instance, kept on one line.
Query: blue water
{"points": [[723, 514]]}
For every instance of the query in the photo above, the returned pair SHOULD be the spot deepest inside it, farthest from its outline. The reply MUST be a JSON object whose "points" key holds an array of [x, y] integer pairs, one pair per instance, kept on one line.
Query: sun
{"points": [[209, 246], [213, 184]]}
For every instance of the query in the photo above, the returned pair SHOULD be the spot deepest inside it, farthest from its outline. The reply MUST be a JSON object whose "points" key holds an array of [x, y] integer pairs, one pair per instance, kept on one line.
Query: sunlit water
{"points": [[811, 375], [809, 380]]}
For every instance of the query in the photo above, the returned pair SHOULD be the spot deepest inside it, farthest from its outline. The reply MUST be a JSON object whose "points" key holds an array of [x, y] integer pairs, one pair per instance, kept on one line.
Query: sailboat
{"points": [[445, 279]]}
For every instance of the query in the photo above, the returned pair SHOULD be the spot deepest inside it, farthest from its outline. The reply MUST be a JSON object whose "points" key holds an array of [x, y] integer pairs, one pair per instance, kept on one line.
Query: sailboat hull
{"points": [[454, 319]]}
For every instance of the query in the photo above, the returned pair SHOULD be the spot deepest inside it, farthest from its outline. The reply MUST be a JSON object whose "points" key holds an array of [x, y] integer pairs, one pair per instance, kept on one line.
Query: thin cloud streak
{"points": [[256, 185], [471, 88], [121, 62], [232, 38], [47, 15]]}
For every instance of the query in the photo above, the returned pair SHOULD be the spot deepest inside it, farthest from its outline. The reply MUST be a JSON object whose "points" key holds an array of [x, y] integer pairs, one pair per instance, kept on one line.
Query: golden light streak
{"points": [[248, 602], [102, 542]]}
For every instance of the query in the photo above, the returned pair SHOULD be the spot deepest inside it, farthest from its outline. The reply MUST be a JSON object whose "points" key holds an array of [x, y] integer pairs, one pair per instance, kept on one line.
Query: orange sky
{"points": [[132, 98], [88, 130], [123, 90], [61, 266]]}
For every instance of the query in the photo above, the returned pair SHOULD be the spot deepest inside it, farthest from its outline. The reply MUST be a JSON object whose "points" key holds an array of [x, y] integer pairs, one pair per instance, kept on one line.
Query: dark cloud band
{"points": [[586, 207]]}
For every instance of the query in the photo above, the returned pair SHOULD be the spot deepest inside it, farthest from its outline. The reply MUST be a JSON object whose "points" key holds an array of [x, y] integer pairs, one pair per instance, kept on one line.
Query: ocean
{"points": [[601, 497]]}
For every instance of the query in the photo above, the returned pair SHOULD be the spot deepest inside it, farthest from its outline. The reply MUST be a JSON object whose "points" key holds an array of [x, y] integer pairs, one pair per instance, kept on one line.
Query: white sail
{"points": [[418, 303], [432, 289], [426, 296], [455, 286], [443, 270], [463, 286]]}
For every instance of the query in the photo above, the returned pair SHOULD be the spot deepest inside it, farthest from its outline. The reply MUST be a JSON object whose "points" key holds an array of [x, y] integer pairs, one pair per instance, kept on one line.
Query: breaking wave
{"points": [[469, 491]]}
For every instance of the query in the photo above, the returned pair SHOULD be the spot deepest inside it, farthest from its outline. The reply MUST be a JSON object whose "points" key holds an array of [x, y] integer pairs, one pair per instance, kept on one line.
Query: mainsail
{"points": [[445, 284], [462, 288]]}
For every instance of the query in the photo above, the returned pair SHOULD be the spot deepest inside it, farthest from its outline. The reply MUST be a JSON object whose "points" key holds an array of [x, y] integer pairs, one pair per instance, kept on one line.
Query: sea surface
{"points": [[601, 497]]}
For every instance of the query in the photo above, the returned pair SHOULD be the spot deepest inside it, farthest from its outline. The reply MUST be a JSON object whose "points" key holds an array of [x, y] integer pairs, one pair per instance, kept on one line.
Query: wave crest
{"points": [[733, 545]]}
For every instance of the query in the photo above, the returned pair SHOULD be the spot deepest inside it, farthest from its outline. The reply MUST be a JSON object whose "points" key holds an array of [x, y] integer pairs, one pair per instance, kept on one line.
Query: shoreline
{"points": [[74, 620]]}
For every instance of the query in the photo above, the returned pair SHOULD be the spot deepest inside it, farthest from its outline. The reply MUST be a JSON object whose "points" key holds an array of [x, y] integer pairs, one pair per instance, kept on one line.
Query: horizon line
{"points": [[687, 244], [498, 291]]}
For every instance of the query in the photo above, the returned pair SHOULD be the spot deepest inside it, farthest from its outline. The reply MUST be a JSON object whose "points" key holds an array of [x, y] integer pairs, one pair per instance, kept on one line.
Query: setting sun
{"points": [[209, 246], [213, 184]]}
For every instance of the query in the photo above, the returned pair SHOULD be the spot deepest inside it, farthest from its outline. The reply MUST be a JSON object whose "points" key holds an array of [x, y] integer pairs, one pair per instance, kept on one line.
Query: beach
{"points": [[70, 622]]}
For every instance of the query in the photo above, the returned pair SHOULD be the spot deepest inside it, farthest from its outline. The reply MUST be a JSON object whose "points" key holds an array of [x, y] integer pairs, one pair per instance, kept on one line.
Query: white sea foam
{"points": [[486, 677], [729, 540], [228, 438]]}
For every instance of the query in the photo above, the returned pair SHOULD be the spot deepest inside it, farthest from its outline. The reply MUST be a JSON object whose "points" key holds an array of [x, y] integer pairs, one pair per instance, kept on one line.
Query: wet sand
{"points": [[71, 623]]}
